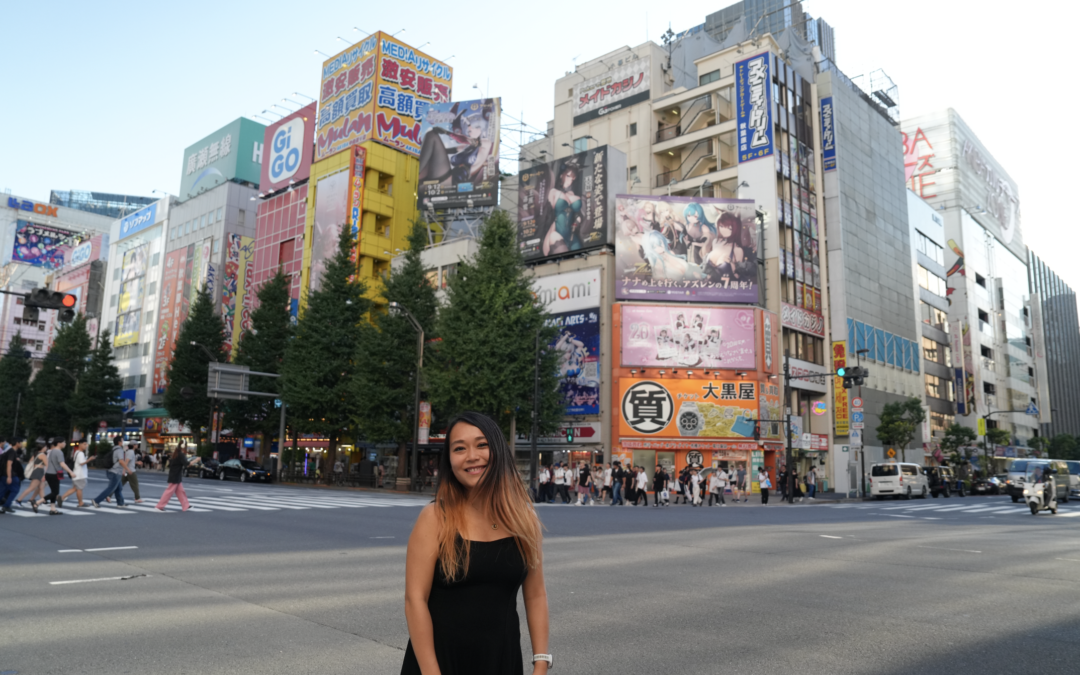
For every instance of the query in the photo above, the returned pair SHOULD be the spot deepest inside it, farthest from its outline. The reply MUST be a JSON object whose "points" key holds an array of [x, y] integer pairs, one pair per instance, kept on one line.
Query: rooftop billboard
{"points": [[459, 155], [233, 152], [287, 148]]}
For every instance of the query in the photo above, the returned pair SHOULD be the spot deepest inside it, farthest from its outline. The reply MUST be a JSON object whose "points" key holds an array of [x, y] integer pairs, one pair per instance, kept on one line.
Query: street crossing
{"points": [[221, 500], [977, 508]]}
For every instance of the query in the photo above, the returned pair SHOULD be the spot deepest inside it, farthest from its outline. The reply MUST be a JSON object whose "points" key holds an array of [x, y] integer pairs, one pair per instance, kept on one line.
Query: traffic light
{"points": [[43, 298], [853, 377], [757, 431], [569, 434]]}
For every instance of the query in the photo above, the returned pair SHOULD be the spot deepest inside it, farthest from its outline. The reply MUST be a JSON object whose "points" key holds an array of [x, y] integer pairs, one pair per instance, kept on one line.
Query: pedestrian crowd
{"points": [[46, 464], [613, 484]]}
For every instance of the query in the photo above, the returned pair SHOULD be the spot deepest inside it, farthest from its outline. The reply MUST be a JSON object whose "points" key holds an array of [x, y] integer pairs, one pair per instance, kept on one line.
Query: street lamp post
{"points": [[396, 307]]}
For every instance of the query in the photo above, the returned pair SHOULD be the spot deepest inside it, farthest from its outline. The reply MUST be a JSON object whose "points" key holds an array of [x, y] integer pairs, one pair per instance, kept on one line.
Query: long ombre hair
{"points": [[499, 493]]}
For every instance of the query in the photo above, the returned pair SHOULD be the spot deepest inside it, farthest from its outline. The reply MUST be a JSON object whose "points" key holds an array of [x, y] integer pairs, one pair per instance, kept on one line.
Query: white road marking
{"points": [[927, 518], [1068, 559], [86, 581], [381, 537], [111, 548], [957, 550], [829, 536], [889, 515], [113, 509], [1070, 514], [211, 502], [70, 550]]}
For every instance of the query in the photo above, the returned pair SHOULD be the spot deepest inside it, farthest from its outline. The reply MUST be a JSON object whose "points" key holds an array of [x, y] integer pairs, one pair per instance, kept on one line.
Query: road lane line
{"points": [[1068, 559], [111, 548], [86, 581], [245, 504], [1070, 514], [70, 550], [112, 509], [829, 536], [957, 550]]}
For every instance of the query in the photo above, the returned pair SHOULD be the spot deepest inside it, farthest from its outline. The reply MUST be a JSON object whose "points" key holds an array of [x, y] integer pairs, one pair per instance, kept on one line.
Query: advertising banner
{"points": [[168, 317], [127, 329], [234, 151], [331, 197], [81, 254], [459, 155], [1042, 377], [842, 418], [563, 205], [828, 135], [133, 262], [357, 174], [679, 408], [754, 110], [568, 291], [378, 89], [239, 266], [131, 294], [138, 221], [972, 379], [578, 346], [424, 428], [674, 336], [41, 245], [688, 249], [287, 149], [802, 320], [618, 88], [770, 342]]}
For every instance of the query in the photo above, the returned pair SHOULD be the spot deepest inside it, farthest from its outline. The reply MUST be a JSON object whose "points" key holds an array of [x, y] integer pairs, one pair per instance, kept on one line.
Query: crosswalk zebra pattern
{"points": [[980, 508], [235, 504]]}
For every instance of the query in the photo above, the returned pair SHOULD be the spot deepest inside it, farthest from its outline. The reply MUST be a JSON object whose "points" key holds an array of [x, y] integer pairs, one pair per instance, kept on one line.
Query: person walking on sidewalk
{"points": [[560, 481], [764, 483], [115, 475], [78, 473], [584, 484], [781, 483], [659, 486], [740, 485], [811, 483], [36, 469], [132, 476], [543, 482], [695, 487], [716, 487], [176, 477], [641, 486], [618, 476], [11, 469], [607, 484], [53, 465]]}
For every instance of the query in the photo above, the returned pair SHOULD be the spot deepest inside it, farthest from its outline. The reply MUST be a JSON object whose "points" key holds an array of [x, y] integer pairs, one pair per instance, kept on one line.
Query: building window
{"points": [[708, 77], [217, 246], [146, 349], [154, 262], [112, 300], [142, 381], [633, 176], [927, 247], [989, 388], [221, 209], [153, 288], [633, 128], [984, 316], [581, 145], [938, 387], [986, 351], [931, 281], [980, 279]]}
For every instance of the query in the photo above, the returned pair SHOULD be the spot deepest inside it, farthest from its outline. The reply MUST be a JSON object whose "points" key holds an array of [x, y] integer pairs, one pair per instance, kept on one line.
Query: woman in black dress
{"points": [[469, 553]]}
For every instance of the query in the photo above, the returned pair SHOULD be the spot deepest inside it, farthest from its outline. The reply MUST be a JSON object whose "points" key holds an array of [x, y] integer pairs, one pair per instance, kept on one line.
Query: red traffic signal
{"points": [[43, 298], [68, 300]]}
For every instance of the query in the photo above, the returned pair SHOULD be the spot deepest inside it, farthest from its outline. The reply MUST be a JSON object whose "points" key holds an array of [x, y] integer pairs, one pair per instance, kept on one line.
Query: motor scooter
{"points": [[1040, 490]]}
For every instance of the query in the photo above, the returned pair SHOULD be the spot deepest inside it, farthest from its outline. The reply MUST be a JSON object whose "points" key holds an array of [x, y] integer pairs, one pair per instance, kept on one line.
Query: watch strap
{"points": [[544, 657]]}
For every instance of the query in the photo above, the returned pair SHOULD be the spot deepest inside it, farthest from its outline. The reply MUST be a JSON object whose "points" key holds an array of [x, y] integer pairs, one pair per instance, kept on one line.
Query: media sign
{"points": [[754, 114], [569, 291], [32, 207], [41, 245], [138, 221], [828, 135], [618, 88], [287, 149]]}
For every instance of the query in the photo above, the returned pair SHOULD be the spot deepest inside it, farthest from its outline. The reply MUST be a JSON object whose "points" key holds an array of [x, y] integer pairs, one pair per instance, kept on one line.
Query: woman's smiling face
{"points": [[469, 454]]}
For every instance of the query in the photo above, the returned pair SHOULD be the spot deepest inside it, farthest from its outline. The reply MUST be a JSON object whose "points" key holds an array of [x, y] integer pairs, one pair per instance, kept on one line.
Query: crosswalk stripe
{"points": [[1070, 514], [267, 502], [199, 503], [108, 508], [74, 512], [246, 504], [26, 514]]}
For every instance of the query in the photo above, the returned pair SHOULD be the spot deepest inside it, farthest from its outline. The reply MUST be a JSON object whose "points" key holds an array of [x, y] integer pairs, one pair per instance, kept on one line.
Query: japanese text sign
{"points": [[41, 245], [618, 88], [678, 408], [754, 113], [840, 395], [828, 135]]}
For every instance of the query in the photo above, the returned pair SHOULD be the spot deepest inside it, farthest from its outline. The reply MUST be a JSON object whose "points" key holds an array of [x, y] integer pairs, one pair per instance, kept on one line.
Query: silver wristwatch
{"points": [[544, 657]]}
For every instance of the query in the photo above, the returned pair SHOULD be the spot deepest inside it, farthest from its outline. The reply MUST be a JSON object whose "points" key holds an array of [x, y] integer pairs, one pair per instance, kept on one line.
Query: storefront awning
{"points": [[150, 412]]}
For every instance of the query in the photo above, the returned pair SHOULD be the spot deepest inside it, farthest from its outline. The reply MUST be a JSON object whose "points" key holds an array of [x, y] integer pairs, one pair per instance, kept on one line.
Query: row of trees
{"points": [[347, 367], [78, 386]]}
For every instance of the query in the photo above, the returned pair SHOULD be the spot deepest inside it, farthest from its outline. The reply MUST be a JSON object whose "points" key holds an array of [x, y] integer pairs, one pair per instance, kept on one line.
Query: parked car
{"points": [[898, 479], [941, 480], [243, 470], [203, 468]]}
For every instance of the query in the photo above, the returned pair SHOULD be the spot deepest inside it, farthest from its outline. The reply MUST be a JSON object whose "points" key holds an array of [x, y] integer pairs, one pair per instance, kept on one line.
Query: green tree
{"points": [[899, 420], [489, 332], [385, 381], [995, 436], [957, 443], [98, 395], [53, 388], [262, 349], [1040, 444], [185, 396], [1064, 446], [318, 370], [15, 372]]}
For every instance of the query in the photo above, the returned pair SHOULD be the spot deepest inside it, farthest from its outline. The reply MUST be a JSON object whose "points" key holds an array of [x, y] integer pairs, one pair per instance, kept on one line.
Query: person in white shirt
{"points": [[78, 473], [716, 493], [132, 476], [607, 484], [641, 487], [545, 484], [695, 482], [560, 483], [764, 483]]}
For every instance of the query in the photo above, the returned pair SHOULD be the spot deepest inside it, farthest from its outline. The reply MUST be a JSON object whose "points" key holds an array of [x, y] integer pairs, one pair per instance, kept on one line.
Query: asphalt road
{"points": [[274, 579]]}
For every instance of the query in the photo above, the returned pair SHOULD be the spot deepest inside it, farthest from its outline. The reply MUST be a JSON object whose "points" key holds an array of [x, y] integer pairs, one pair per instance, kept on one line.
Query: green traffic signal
{"points": [[841, 372]]}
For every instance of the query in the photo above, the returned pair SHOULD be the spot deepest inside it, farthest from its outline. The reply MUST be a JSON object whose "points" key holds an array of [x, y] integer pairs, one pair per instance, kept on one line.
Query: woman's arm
{"points": [[419, 573], [536, 614]]}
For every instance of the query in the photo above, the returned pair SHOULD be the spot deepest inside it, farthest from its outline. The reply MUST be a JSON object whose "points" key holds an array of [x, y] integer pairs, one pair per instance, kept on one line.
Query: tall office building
{"points": [[1055, 303], [759, 17]]}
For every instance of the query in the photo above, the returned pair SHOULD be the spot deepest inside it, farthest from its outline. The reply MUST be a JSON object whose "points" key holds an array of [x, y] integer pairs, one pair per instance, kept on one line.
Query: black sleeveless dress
{"points": [[474, 620]]}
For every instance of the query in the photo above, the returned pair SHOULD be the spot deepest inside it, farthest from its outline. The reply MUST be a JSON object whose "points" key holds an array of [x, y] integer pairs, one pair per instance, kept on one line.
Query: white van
{"points": [[898, 479]]}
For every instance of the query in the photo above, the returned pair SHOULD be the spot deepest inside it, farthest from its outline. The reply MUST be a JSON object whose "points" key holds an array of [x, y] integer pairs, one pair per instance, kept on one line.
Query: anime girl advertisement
{"points": [[459, 155], [578, 346], [686, 248]]}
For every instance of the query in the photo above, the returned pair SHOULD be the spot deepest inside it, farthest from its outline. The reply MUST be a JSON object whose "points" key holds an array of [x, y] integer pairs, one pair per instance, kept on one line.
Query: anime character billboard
{"points": [[41, 245], [565, 206], [688, 249], [459, 155], [578, 346]]}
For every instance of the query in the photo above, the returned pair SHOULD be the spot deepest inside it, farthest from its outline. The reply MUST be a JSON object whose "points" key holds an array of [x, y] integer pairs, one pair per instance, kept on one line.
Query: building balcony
{"points": [[679, 141]]}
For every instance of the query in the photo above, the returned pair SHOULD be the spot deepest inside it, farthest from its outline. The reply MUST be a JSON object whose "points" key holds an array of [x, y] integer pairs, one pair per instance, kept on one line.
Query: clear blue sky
{"points": [[106, 95]]}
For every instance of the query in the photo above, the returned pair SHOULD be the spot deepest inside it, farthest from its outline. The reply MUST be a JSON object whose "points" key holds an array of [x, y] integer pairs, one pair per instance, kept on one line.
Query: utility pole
{"points": [[396, 307], [862, 454], [535, 419]]}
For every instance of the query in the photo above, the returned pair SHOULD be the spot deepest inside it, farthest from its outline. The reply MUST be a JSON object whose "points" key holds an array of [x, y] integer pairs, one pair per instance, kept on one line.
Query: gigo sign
{"points": [[80, 254], [27, 205], [285, 150], [288, 149]]}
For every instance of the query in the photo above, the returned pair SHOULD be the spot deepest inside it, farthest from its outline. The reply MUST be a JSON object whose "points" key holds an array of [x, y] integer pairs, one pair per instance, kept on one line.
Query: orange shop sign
{"points": [[687, 409]]}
